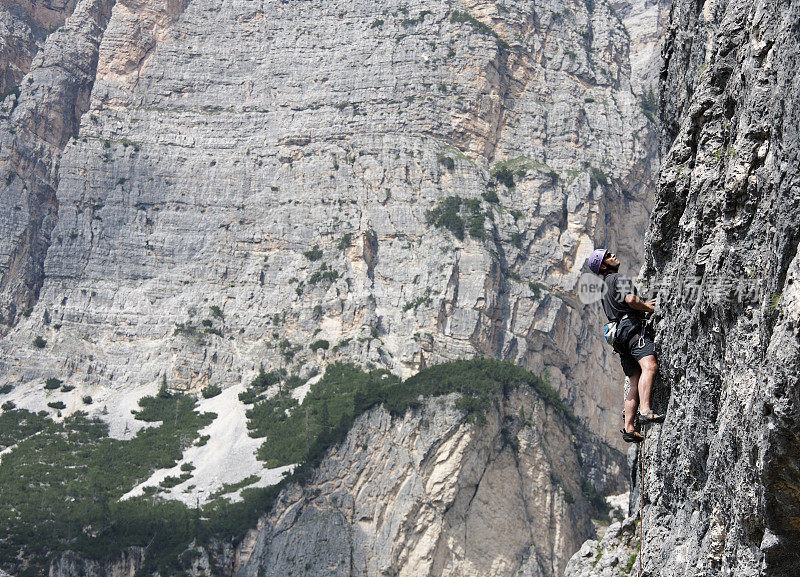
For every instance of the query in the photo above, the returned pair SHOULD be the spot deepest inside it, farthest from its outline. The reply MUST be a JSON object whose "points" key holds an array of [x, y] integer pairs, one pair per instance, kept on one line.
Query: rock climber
{"points": [[635, 347]]}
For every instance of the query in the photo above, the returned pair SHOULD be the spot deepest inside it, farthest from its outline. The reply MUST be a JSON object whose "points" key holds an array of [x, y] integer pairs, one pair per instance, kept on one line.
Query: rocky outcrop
{"points": [[24, 27], [432, 494], [721, 479], [37, 119], [223, 142], [193, 189], [615, 555], [71, 565]]}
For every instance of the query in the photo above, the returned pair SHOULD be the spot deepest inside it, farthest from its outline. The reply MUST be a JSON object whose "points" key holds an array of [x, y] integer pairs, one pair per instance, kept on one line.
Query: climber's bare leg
{"points": [[632, 402]]}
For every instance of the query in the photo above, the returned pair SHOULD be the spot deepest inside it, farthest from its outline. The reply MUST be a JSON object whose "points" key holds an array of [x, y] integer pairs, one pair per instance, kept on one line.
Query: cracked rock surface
{"points": [[431, 494], [195, 151], [722, 479]]}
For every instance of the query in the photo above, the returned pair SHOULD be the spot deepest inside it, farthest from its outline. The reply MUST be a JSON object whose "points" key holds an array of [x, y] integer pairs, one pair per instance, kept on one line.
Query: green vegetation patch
{"points": [[458, 215], [259, 386], [324, 274], [52, 383], [598, 176], [507, 171], [479, 26], [313, 254], [649, 103], [211, 391], [446, 161], [319, 344], [296, 433], [63, 481]]}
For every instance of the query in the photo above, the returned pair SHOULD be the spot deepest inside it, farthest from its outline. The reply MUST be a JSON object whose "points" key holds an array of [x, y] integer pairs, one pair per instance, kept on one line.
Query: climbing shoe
{"points": [[650, 417], [634, 437]]}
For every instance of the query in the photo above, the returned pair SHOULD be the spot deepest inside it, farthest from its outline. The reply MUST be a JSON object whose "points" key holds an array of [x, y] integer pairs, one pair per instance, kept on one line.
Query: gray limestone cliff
{"points": [[722, 481], [222, 142], [193, 189], [44, 93], [721, 478], [432, 494]]}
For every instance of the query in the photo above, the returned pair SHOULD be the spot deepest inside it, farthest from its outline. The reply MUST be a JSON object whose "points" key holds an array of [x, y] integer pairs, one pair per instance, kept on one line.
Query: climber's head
{"points": [[603, 262]]}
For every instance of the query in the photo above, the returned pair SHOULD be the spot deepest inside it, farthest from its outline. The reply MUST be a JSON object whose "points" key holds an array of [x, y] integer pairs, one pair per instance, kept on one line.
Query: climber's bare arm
{"points": [[638, 304]]}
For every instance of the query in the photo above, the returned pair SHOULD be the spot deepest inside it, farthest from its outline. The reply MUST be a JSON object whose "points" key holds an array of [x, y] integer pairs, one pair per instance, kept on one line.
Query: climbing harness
{"points": [[641, 336], [611, 328]]}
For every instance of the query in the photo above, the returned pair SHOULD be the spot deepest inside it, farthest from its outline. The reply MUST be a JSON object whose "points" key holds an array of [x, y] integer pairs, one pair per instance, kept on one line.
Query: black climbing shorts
{"points": [[630, 353]]}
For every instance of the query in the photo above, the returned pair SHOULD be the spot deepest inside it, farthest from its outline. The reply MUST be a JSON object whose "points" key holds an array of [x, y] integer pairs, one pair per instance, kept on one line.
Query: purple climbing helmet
{"points": [[595, 259]]}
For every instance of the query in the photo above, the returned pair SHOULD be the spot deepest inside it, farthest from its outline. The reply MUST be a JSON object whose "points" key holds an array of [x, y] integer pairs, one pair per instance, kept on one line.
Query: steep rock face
{"points": [[646, 22], [24, 25], [223, 142], [431, 494], [37, 119], [722, 482]]}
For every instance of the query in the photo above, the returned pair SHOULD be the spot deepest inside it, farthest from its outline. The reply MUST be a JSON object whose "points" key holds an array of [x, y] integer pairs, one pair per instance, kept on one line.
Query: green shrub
{"points": [[231, 487], [629, 564], [446, 215], [490, 196], [504, 175], [446, 161], [170, 482], [9, 406], [210, 391], [319, 344], [417, 302], [163, 390], [507, 171], [323, 274], [313, 254], [598, 176], [536, 288], [341, 344], [87, 400], [67, 388], [345, 241], [260, 384], [7, 388], [52, 383], [39, 342], [216, 311], [186, 329], [127, 142], [58, 405], [186, 467], [479, 26], [649, 103], [475, 218]]}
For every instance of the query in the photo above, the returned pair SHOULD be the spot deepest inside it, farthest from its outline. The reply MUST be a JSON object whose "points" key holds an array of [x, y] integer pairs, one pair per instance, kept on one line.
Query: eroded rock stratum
{"points": [[221, 142], [722, 482]]}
